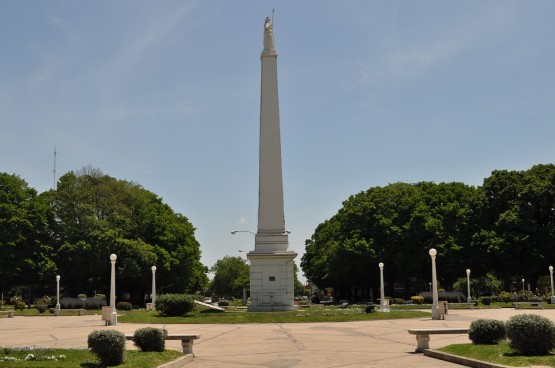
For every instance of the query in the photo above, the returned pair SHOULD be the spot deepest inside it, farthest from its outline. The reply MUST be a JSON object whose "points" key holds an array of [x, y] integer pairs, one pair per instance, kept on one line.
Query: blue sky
{"points": [[166, 94]]}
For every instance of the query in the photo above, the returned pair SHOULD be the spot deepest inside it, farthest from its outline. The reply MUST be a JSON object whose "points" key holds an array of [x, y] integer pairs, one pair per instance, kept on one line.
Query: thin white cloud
{"points": [[400, 58]]}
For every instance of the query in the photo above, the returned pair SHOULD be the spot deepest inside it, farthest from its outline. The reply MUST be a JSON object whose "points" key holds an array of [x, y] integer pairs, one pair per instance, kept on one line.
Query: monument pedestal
{"points": [[272, 281]]}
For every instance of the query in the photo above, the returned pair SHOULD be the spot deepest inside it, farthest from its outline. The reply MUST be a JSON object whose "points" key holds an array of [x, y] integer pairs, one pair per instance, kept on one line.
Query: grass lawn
{"points": [[35, 312], [499, 354], [84, 358], [233, 315]]}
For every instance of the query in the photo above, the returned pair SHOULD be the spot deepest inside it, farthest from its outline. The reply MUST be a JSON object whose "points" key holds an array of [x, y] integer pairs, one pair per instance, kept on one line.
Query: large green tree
{"points": [[231, 274], [518, 227], [397, 225], [97, 215], [24, 235]]}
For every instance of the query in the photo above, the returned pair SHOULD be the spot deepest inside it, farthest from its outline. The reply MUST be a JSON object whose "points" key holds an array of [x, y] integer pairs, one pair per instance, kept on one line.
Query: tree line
{"points": [[504, 228], [72, 230]]}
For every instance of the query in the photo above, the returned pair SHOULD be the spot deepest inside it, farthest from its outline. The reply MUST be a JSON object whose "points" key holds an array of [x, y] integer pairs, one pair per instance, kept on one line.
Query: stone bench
{"points": [[468, 305], [518, 305], [423, 335], [80, 312], [186, 341], [10, 313]]}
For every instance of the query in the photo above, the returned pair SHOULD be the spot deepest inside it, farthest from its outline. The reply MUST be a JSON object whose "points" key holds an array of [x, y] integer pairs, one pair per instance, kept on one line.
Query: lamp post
{"points": [[468, 299], [58, 291], [523, 286], [153, 268], [435, 306], [114, 317], [383, 303], [552, 294]]}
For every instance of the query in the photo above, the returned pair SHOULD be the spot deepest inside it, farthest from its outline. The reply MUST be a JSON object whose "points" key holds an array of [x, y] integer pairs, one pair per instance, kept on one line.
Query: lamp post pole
{"points": [[468, 299], [58, 291], [114, 317], [523, 286], [552, 294], [435, 306], [153, 268], [382, 291]]}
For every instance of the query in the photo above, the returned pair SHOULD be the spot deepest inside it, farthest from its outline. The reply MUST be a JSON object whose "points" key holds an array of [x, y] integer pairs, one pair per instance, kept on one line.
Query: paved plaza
{"points": [[272, 345]]}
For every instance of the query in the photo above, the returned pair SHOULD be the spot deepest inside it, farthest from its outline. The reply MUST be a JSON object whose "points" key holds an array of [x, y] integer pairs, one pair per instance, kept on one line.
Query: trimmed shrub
{"points": [[535, 299], [72, 303], [486, 300], [174, 304], [505, 296], [150, 339], [530, 334], [42, 303], [223, 303], [124, 306], [18, 303], [486, 331], [96, 302], [107, 345], [417, 299]]}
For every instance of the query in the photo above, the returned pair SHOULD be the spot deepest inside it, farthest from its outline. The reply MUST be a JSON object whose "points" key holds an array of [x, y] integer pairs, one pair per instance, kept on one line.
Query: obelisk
{"points": [[271, 272]]}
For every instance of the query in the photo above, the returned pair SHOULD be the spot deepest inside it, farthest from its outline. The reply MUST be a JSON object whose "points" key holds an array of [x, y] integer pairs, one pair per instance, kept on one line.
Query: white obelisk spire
{"points": [[272, 281], [271, 235]]}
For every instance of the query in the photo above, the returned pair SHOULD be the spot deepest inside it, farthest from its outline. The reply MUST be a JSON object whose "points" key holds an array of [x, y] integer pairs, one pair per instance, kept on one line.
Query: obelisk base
{"points": [[272, 281]]}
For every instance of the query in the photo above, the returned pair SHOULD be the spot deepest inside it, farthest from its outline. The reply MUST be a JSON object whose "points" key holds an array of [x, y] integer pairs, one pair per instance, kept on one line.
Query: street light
{"points": [[523, 286], [435, 306], [153, 268], [114, 316], [242, 231], [58, 292], [552, 295], [468, 299], [383, 303]]}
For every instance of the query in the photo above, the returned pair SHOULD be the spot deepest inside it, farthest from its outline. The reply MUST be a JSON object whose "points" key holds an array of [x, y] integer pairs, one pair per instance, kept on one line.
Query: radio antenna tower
{"points": [[54, 171]]}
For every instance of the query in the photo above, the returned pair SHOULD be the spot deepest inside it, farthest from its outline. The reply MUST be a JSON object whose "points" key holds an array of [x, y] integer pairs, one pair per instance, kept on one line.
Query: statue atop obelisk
{"points": [[272, 281]]}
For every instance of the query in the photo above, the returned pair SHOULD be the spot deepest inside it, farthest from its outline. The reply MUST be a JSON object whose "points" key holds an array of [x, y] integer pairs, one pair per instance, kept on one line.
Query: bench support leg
{"points": [[422, 343], [187, 346]]}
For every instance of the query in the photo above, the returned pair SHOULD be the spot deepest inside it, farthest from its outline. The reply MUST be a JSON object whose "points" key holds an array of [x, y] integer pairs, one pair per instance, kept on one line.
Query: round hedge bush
{"points": [[150, 339], [531, 334], [108, 346], [124, 306], [486, 331], [174, 304], [486, 300]]}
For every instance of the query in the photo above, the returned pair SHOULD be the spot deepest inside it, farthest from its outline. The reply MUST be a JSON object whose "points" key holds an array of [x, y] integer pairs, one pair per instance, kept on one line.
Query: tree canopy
{"points": [[231, 274], [505, 226], [71, 231], [24, 234]]}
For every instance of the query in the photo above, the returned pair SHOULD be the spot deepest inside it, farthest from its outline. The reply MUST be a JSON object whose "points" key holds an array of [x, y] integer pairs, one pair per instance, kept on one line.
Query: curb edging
{"points": [[469, 362], [178, 363]]}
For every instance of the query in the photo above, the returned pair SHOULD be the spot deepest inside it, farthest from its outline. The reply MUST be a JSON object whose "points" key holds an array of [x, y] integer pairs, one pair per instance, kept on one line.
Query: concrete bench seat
{"points": [[186, 341], [423, 335], [519, 305], [80, 312], [468, 305], [10, 313]]}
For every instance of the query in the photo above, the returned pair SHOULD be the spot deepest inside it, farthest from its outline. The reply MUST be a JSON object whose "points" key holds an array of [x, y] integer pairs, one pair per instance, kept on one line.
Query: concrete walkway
{"points": [[273, 345]]}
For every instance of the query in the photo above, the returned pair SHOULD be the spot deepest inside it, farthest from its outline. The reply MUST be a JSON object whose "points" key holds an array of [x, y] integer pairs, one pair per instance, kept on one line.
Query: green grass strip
{"points": [[83, 358], [499, 354]]}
